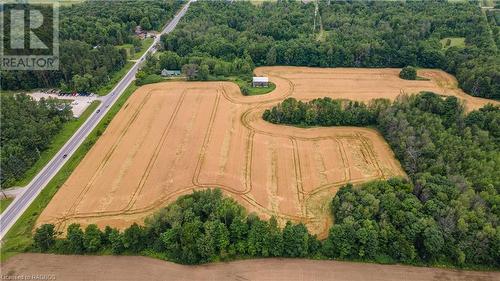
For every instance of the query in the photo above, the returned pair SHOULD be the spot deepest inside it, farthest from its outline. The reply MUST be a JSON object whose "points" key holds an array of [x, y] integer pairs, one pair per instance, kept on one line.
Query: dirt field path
{"points": [[125, 268], [171, 138]]}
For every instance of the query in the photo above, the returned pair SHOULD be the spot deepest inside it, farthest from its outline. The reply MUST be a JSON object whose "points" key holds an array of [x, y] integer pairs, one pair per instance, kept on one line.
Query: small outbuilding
{"points": [[138, 30], [260, 82], [170, 73], [141, 33]]}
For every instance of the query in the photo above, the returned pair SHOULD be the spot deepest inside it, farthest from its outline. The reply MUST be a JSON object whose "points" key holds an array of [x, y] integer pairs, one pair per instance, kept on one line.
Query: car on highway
{"points": [[19, 206]]}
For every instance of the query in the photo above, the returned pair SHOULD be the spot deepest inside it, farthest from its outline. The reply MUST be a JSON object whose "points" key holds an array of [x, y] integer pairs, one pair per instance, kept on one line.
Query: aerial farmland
{"points": [[257, 140], [175, 137]]}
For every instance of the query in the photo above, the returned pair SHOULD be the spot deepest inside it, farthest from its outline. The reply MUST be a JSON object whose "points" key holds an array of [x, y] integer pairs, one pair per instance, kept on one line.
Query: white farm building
{"points": [[260, 81]]}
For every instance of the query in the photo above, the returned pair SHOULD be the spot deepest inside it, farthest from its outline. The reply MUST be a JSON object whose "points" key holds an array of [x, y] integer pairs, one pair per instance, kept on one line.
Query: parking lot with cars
{"points": [[79, 100]]}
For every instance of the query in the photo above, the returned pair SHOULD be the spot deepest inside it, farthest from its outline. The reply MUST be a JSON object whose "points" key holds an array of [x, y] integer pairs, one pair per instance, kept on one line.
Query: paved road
{"points": [[21, 203]]}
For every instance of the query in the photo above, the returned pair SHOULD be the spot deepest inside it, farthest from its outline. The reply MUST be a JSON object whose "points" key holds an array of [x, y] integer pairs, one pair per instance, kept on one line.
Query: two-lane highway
{"points": [[22, 202]]}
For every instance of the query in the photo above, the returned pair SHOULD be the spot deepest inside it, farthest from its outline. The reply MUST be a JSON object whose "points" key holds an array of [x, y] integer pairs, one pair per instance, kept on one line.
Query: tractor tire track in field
{"points": [[157, 150], [109, 153], [353, 148]]}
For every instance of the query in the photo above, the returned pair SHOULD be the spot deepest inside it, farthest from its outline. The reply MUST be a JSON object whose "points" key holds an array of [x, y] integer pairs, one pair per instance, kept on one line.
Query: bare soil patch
{"points": [[141, 268], [172, 138]]}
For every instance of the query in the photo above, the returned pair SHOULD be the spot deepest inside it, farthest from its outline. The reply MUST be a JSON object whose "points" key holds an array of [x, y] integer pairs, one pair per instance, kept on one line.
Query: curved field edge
{"points": [[246, 86], [125, 214], [310, 93], [19, 239]]}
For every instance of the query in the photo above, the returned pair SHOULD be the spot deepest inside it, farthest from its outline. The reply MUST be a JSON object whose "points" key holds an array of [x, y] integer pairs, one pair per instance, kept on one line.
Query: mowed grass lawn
{"points": [[448, 42], [260, 2], [19, 239], [57, 143], [252, 91], [4, 203], [128, 47], [145, 45]]}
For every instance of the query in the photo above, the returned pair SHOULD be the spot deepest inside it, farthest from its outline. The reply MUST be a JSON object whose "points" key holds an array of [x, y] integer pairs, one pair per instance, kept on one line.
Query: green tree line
{"points": [[27, 129], [353, 34], [200, 227]]}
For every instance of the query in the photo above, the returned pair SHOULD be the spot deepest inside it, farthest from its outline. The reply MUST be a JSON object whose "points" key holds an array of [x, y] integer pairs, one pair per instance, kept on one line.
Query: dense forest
{"points": [[89, 34], [449, 213], [346, 33], [27, 129]]}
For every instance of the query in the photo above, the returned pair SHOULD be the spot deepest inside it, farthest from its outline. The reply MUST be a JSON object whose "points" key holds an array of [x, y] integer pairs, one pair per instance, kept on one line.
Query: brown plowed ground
{"points": [[172, 138], [124, 268]]}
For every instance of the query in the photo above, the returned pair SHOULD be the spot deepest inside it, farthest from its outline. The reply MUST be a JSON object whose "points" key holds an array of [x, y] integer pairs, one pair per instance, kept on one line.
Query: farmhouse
{"points": [[170, 73], [260, 82]]}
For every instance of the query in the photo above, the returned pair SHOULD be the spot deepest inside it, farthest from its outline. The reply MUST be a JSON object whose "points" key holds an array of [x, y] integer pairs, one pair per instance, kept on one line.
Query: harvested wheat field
{"points": [[172, 138], [59, 267]]}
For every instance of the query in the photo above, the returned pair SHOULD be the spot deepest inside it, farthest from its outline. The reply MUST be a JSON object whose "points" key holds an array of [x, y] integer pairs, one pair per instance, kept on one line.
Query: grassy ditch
{"points": [[117, 76], [19, 238], [4, 203], [58, 142]]}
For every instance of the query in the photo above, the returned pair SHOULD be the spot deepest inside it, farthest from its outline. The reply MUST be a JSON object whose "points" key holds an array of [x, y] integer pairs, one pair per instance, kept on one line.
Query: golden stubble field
{"points": [[175, 137]]}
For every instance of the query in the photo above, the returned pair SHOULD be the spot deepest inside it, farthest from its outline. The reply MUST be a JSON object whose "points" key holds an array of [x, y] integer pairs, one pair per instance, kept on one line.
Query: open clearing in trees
{"points": [[171, 138]]}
